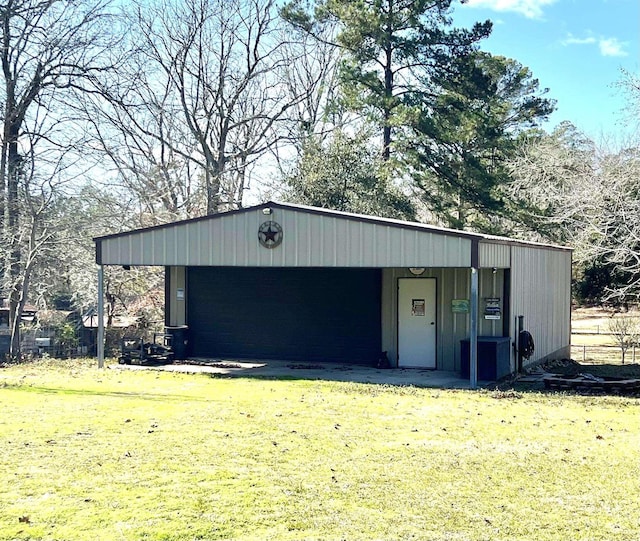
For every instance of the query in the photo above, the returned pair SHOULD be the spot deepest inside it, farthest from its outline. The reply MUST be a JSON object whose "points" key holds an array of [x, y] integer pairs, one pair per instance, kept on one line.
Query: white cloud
{"points": [[612, 47], [532, 9], [572, 40], [607, 46]]}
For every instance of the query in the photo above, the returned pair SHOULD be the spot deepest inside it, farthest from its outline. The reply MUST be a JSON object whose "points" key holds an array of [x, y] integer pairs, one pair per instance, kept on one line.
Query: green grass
{"points": [[88, 454]]}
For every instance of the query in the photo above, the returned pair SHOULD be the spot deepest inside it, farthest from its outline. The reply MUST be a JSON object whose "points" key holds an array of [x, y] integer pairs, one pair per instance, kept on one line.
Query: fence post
{"points": [[584, 354]]}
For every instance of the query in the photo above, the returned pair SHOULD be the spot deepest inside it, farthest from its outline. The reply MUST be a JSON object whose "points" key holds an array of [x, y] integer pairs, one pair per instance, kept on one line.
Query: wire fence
{"points": [[599, 354]]}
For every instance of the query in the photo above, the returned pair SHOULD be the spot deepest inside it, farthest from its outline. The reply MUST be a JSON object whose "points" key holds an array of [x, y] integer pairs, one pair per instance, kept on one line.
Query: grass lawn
{"points": [[90, 454]]}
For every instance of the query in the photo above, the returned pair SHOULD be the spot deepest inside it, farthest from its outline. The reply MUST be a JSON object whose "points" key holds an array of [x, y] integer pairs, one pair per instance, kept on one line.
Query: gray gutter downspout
{"points": [[473, 335]]}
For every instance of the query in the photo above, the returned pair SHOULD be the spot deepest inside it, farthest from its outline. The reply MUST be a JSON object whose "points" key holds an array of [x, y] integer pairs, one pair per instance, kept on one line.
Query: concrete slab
{"points": [[314, 371]]}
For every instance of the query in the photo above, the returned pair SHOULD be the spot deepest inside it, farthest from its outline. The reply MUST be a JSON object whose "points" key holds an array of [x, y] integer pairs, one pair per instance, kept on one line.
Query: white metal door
{"points": [[417, 322]]}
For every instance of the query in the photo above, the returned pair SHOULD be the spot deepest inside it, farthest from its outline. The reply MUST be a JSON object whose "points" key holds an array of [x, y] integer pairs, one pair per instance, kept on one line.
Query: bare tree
{"points": [[625, 332], [47, 48], [630, 84], [206, 93], [144, 149], [312, 72], [551, 189], [571, 191], [311, 81]]}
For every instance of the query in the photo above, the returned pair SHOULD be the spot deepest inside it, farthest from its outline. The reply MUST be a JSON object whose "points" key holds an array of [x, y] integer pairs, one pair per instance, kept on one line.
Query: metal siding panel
{"points": [[232, 245], [373, 256], [251, 245], [135, 249], [309, 240], [212, 241], [203, 244], [182, 243], [118, 248], [206, 243], [291, 243], [325, 242], [316, 234], [495, 255], [122, 249], [421, 252], [413, 251], [170, 241], [395, 247], [107, 251], [438, 250], [341, 242], [241, 239], [226, 243], [174, 242], [190, 239], [177, 238], [541, 292], [352, 256], [368, 242], [385, 244], [159, 248], [301, 231], [405, 248], [146, 248]]}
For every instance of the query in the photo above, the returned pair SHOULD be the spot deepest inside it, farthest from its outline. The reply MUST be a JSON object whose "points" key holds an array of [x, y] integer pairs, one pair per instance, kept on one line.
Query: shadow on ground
{"points": [[315, 371]]}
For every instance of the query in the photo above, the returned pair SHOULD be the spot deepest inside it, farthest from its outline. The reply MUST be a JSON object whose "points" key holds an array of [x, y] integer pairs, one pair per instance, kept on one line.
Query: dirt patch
{"points": [[588, 383], [568, 367], [559, 366]]}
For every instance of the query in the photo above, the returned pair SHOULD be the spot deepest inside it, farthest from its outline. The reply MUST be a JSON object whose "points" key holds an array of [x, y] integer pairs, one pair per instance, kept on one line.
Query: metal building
{"points": [[285, 281]]}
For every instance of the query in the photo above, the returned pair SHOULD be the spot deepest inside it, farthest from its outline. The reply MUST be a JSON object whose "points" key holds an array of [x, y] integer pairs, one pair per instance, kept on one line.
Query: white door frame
{"points": [[422, 352]]}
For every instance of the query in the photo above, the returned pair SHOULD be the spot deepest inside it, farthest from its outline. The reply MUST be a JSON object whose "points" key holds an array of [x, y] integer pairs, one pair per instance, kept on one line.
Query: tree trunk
{"points": [[12, 224], [388, 92]]}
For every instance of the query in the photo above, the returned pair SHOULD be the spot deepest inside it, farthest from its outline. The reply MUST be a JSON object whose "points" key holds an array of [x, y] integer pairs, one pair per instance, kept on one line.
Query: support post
{"points": [[100, 344], [473, 337]]}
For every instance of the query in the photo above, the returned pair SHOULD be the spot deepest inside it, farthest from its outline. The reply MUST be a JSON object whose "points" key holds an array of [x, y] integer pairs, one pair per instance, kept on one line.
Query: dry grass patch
{"points": [[90, 454]]}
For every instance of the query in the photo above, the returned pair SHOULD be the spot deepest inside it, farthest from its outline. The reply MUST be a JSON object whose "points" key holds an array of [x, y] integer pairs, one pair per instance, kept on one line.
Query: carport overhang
{"points": [[307, 237]]}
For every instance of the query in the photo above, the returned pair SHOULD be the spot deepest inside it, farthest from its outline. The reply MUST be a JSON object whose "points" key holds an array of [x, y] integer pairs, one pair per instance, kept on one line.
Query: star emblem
{"points": [[270, 234]]}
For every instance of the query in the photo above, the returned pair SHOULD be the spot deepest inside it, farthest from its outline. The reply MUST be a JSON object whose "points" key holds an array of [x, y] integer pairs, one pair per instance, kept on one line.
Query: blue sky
{"points": [[576, 48]]}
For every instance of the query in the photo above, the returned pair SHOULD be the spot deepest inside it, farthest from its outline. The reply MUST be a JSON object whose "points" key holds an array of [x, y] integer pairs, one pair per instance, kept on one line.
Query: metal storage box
{"points": [[494, 357]]}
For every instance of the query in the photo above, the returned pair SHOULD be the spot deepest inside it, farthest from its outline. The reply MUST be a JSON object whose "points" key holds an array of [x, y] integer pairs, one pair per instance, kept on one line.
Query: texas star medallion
{"points": [[270, 234]]}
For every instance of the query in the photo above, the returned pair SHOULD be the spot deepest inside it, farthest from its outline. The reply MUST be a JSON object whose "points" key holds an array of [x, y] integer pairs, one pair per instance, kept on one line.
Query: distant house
{"points": [[29, 316], [283, 281]]}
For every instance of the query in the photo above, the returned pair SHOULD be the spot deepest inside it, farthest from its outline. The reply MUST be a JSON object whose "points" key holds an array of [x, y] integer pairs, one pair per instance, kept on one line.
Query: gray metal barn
{"points": [[283, 281]]}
